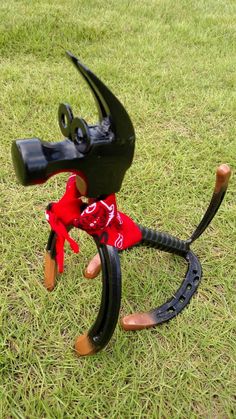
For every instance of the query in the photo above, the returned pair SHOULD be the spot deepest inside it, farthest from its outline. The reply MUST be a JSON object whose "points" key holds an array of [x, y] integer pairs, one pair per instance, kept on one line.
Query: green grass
{"points": [[173, 66]]}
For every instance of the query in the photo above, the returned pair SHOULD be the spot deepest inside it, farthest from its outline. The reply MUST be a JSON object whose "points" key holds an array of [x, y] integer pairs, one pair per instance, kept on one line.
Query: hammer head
{"points": [[99, 153]]}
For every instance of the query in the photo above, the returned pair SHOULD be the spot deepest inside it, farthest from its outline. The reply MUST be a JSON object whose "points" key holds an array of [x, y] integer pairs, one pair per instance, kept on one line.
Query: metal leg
{"points": [[50, 266], [93, 268], [102, 330], [174, 305]]}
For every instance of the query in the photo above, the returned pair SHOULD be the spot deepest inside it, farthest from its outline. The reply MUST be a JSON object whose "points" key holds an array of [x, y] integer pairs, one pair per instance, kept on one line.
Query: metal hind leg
{"points": [[168, 243], [174, 305]]}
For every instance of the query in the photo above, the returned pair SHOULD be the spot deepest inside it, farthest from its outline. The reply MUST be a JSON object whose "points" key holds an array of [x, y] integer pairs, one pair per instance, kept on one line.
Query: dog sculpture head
{"points": [[99, 153]]}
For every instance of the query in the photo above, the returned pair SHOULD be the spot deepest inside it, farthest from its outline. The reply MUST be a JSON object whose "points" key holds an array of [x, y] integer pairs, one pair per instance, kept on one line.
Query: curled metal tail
{"points": [[222, 179]]}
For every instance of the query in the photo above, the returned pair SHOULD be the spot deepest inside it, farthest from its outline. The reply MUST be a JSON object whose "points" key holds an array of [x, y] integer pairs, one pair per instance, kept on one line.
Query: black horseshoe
{"points": [[174, 305], [102, 330]]}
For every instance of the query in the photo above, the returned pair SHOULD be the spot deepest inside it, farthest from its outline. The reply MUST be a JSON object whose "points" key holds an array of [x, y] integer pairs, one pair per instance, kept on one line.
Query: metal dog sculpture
{"points": [[98, 157]]}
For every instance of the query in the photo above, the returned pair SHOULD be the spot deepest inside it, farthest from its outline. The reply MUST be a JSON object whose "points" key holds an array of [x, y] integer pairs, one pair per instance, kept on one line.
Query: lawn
{"points": [[172, 64]]}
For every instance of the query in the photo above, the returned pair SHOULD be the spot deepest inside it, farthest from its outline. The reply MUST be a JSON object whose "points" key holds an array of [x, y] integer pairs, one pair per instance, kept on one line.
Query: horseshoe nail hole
{"points": [[194, 271], [196, 280], [189, 286], [171, 310], [182, 299]]}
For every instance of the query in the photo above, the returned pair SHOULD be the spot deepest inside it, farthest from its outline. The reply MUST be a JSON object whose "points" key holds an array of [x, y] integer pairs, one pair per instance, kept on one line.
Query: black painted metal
{"points": [[102, 330], [163, 241], [184, 293], [51, 244], [109, 107], [65, 118], [104, 326], [100, 153], [211, 211], [168, 243]]}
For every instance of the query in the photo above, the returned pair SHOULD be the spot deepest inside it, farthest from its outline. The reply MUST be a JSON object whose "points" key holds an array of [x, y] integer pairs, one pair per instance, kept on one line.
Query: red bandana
{"points": [[99, 218]]}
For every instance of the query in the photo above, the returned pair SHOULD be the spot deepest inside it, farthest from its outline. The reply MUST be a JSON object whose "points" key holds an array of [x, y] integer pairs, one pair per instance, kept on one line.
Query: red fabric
{"points": [[102, 219], [99, 218]]}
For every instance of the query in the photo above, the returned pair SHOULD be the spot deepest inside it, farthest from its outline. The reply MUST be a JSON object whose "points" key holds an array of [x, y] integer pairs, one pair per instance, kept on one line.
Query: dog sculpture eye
{"points": [[65, 118], [80, 135], [75, 129]]}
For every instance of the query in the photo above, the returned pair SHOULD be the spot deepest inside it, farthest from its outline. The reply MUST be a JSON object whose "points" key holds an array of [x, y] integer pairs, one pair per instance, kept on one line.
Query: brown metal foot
{"points": [[137, 321], [93, 268], [50, 272], [83, 346]]}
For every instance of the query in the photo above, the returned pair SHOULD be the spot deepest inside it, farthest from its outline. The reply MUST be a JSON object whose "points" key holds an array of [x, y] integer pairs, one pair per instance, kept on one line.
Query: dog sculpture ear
{"points": [[107, 104]]}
